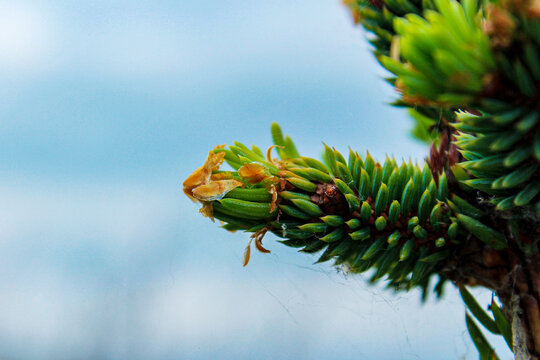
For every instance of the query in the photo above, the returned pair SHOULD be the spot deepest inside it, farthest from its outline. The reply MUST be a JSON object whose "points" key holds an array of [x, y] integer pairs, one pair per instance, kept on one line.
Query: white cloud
{"points": [[27, 38], [116, 218], [137, 47], [187, 316], [148, 41], [300, 316]]}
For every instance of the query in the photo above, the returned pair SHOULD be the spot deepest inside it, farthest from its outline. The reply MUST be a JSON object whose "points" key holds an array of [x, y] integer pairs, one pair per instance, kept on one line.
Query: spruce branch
{"points": [[469, 73], [393, 218]]}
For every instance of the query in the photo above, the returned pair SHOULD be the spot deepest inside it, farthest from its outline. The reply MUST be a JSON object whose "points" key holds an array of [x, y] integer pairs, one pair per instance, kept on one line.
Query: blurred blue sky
{"points": [[107, 106]]}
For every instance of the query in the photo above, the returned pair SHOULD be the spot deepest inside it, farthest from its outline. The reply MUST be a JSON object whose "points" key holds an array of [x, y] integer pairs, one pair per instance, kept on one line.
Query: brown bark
{"points": [[521, 300], [515, 278]]}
